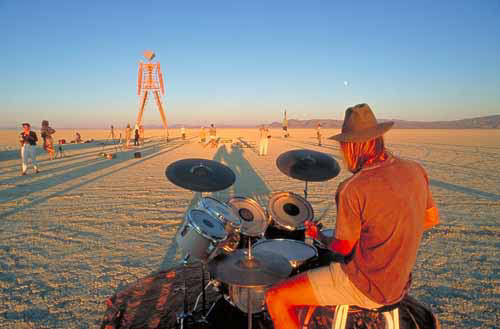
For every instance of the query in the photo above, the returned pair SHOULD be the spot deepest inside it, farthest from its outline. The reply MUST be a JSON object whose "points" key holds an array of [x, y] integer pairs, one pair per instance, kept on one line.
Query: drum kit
{"points": [[245, 247]]}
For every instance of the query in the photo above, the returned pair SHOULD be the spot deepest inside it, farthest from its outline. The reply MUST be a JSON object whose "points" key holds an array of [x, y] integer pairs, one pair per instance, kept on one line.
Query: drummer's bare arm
{"points": [[431, 218], [431, 212]]}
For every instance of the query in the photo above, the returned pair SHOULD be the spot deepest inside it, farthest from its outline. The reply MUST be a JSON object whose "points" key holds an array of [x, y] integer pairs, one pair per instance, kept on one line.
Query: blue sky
{"points": [[75, 62]]}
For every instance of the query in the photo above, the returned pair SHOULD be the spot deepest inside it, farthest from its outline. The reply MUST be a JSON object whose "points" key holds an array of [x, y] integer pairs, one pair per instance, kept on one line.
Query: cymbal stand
{"points": [[185, 315], [305, 191], [203, 298], [249, 301], [210, 283]]}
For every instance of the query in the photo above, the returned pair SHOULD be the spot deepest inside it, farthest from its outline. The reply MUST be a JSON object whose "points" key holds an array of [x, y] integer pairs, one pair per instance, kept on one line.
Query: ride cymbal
{"points": [[308, 165], [200, 175], [265, 268]]}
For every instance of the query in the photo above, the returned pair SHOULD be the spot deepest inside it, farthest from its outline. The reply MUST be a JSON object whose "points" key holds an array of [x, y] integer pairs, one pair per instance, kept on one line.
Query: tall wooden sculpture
{"points": [[150, 79]]}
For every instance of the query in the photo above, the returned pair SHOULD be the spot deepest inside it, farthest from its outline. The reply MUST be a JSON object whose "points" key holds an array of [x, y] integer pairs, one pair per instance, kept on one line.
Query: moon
{"points": [[346, 83]]}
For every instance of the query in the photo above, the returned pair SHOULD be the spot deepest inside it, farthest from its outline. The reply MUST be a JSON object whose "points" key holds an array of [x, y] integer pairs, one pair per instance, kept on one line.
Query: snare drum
{"points": [[232, 223], [200, 235], [254, 219], [297, 252], [288, 212]]}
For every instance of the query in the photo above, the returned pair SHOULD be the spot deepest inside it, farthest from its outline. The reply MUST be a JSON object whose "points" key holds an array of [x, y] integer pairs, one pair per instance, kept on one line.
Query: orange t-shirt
{"points": [[382, 208]]}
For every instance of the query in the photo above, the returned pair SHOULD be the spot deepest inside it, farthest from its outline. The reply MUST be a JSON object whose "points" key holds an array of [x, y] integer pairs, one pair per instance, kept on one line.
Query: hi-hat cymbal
{"points": [[265, 268], [200, 175], [308, 165]]}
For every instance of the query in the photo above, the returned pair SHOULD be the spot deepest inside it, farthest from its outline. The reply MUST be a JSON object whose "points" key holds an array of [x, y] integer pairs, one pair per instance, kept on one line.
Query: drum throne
{"points": [[390, 313]]}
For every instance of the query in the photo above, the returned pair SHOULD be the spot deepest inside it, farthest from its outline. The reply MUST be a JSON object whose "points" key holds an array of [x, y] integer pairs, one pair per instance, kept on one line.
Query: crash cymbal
{"points": [[200, 175], [308, 165], [265, 268]]}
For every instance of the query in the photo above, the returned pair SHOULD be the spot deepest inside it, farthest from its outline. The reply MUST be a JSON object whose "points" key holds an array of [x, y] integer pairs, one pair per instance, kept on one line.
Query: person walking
{"points": [[264, 140], [28, 141], [48, 142], [318, 134], [183, 133]]}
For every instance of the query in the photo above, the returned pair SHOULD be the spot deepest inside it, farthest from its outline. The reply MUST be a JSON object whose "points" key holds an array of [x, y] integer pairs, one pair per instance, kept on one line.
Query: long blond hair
{"points": [[362, 154]]}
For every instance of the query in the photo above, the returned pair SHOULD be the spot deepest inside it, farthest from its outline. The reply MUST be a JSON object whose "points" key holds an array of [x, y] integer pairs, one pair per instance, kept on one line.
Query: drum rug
{"points": [[154, 301]]}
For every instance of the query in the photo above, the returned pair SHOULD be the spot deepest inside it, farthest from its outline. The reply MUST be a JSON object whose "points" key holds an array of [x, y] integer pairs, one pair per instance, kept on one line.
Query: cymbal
{"points": [[308, 165], [200, 175], [265, 268]]}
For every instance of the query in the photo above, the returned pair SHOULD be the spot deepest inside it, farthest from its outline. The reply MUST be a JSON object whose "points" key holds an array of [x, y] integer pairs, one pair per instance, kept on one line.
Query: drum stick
{"points": [[324, 213]]}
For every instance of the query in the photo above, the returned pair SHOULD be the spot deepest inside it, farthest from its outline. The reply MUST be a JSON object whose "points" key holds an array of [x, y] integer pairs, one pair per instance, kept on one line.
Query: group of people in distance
{"points": [[138, 135], [212, 136], [28, 140], [264, 136]]}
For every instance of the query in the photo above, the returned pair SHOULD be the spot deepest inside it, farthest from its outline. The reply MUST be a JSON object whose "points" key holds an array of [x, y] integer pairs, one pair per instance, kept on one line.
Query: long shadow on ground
{"points": [[100, 165]]}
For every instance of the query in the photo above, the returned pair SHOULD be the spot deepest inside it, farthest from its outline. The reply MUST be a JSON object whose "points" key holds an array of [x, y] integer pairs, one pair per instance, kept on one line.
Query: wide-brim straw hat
{"points": [[360, 125]]}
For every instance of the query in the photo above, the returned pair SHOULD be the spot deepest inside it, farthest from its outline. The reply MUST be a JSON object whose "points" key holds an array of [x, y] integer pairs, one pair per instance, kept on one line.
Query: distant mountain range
{"points": [[487, 122]]}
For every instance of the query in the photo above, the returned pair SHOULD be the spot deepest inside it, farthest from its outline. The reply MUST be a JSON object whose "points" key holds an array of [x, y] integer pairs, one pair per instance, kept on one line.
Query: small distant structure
{"points": [[286, 134], [150, 79]]}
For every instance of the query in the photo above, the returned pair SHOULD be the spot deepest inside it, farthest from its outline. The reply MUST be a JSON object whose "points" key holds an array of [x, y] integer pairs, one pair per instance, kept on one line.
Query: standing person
{"points": [[318, 134], [136, 137], [213, 135], [203, 135], [382, 212], [78, 138], [264, 140], [48, 142], [183, 133], [28, 141], [112, 133], [141, 134], [128, 135]]}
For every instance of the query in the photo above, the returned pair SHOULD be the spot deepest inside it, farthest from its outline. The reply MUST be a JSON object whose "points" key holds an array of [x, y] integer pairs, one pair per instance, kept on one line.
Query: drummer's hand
{"points": [[312, 229]]}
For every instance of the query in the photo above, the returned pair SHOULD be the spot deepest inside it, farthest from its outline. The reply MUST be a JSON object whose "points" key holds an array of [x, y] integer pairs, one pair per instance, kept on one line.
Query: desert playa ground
{"points": [[86, 226]]}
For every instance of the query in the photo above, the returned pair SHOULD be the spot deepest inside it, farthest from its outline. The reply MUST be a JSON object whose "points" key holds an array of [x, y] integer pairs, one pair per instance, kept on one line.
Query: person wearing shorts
{"points": [[382, 212]]}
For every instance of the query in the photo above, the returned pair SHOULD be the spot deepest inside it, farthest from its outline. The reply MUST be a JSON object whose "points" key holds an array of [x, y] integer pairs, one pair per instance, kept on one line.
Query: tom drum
{"points": [[231, 222], [200, 235], [288, 213]]}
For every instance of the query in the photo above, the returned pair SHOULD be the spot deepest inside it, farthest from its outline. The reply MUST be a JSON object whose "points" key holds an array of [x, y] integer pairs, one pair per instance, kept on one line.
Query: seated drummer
{"points": [[382, 211]]}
